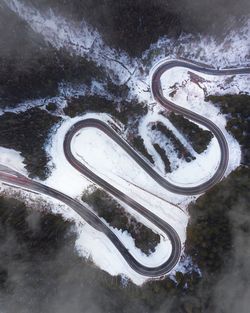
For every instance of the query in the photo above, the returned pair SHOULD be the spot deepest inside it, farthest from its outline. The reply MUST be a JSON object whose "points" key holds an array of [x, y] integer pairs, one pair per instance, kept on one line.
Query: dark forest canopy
{"points": [[40, 270], [30, 68], [132, 25]]}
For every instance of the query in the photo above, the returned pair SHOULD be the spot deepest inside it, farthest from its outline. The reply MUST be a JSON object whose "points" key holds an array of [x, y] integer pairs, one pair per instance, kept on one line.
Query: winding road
{"points": [[11, 177]]}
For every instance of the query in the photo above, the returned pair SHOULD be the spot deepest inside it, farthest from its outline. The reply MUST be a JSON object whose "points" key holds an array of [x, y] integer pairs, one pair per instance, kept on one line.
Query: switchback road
{"points": [[13, 178]]}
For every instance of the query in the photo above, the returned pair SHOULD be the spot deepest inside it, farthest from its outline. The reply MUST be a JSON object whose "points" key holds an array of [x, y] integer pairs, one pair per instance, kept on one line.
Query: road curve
{"points": [[13, 178], [166, 103]]}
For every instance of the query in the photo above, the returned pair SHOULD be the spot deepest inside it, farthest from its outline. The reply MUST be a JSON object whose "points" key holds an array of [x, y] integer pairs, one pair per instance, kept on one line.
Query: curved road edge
{"points": [[13, 178]]}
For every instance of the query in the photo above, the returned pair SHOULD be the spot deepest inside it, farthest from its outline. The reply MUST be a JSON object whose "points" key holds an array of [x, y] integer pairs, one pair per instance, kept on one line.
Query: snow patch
{"points": [[81, 39], [12, 159]]}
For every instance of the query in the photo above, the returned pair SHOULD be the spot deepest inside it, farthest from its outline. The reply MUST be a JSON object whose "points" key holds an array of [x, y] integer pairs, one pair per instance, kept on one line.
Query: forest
{"points": [[37, 247]]}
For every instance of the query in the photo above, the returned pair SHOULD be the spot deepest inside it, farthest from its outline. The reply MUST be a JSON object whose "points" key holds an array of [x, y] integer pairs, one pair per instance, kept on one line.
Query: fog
{"points": [[232, 290], [51, 277], [132, 25], [45, 274]]}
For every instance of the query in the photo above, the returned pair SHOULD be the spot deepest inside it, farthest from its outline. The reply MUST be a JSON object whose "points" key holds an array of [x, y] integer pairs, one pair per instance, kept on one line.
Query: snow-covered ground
{"points": [[191, 95], [232, 51], [106, 158], [82, 39], [12, 159], [79, 38], [110, 162], [184, 173]]}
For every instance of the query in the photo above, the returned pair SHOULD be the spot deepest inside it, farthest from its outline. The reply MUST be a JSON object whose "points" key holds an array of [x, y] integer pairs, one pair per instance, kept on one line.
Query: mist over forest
{"points": [[40, 270]]}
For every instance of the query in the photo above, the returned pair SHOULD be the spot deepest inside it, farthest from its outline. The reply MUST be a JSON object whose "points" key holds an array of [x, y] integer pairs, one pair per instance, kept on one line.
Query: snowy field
{"points": [[191, 95], [108, 160]]}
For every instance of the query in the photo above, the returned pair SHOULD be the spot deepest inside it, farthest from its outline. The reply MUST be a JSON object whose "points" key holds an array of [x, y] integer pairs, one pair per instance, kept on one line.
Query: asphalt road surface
{"points": [[11, 177]]}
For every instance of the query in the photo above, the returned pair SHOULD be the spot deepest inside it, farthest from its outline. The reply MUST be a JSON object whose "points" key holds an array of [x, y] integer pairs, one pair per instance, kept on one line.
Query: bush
{"points": [[181, 151], [109, 209], [237, 108], [138, 143], [199, 138], [124, 111], [27, 132], [164, 158], [209, 232]]}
